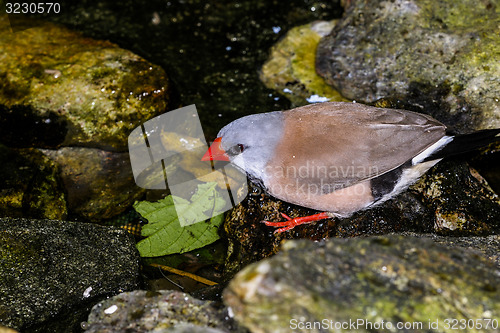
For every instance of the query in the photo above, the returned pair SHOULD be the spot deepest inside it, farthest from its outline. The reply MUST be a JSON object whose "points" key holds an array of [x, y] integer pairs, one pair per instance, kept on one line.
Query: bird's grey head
{"points": [[250, 141]]}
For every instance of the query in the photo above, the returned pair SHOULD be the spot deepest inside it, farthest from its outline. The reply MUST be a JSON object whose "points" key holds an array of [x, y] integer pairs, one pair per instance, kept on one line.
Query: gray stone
{"points": [[188, 328], [442, 56], [392, 279], [48, 267], [162, 311]]}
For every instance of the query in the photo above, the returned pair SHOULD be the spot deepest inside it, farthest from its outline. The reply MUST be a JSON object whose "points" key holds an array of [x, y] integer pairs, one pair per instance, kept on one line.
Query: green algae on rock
{"points": [[392, 279], [290, 69], [50, 268], [30, 185], [383, 48], [98, 91]]}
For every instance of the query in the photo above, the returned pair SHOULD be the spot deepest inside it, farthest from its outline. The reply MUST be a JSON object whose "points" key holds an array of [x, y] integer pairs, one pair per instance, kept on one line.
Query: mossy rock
{"points": [[290, 69], [391, 279], [58, 88]]}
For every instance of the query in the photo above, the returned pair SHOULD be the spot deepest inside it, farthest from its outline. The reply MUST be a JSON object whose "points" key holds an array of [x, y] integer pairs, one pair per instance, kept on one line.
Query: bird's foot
{"points": [[292, 223]]}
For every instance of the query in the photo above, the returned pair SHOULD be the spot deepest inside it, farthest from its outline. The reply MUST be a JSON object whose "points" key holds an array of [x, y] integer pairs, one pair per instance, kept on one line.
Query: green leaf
{"points": [[164, 233], [206, 201]]}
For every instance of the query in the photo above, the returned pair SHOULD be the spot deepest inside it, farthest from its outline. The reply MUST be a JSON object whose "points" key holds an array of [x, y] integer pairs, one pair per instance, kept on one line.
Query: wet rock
{"points": [[442, 56], [99, 184], [161, 311], [487, 245], [461, 202], [448, 200], [30, 185], [389, 279], [58, 88], [290, 69], [52, 269]]}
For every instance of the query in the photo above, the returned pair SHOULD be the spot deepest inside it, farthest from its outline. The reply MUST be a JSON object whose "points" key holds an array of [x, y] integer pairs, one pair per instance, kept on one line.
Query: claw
{"points": [[292, 223]]}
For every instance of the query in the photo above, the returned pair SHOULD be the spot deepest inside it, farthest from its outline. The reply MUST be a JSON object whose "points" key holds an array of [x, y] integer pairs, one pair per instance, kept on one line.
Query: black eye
{"points": [[235, 150]]}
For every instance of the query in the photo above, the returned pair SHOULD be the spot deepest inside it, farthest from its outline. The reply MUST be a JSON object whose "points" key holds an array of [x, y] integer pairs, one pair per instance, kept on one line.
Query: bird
{"points": [[338, 157]]}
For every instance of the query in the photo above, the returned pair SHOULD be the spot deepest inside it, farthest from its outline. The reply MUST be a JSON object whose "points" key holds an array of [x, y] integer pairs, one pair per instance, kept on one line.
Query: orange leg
{"points": [[292, 223]]}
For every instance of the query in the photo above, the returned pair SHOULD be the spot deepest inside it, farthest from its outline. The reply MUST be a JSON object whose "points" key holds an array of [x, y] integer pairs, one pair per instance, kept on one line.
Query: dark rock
{"points": [[392, 279], [460, 202], [99, 184], [442, 56], [52, 267], [487, 245], [487, 166], [91, 184], [160, 311], [30, 185]]}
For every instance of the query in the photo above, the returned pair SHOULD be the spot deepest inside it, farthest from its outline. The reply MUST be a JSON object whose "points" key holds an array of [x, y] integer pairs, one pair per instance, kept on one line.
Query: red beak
{"points": [[215, 152]]}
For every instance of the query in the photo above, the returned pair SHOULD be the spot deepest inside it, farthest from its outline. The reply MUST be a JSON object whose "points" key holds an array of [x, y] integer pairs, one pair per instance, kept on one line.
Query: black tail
{"points": [[464, 143]]}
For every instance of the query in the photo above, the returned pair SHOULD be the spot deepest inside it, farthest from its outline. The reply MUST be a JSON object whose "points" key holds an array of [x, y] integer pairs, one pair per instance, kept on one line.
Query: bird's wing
{"points": [[335, 145]]}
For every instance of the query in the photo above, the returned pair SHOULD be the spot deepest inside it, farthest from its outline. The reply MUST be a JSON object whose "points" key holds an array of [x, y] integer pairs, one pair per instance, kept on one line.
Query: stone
{"points": [[373, 281], [487, 245], [290, 69], [442, 56], [460, 200], [30, 185], [159, 311], [58, 88], [50, 268], [487, 166], [99, 183]]}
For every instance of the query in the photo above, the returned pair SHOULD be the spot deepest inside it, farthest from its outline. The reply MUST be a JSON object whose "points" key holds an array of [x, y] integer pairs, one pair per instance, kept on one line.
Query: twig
{"points": [[183, 273]]}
